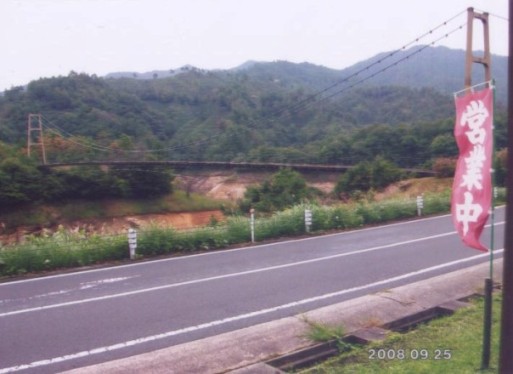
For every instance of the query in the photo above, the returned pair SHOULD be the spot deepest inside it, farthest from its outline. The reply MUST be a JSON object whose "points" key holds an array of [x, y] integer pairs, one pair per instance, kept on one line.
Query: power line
{"points": [[294, 108], [417, 51], [366, 68]]}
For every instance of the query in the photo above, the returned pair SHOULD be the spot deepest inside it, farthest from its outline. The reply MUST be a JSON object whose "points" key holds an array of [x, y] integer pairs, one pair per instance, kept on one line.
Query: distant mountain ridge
{"points": [[440, 67], [420, 66], [154, 74]]}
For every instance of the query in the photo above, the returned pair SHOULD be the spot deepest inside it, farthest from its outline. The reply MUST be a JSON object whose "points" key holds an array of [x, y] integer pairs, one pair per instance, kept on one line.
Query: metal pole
{"points": [[487, 330], [506, 343], [492, 238], [487, 325]]}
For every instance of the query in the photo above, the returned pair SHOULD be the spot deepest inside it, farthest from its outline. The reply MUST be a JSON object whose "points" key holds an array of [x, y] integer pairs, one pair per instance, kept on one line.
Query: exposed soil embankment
{"points": [[224, 185], [229, 185]]}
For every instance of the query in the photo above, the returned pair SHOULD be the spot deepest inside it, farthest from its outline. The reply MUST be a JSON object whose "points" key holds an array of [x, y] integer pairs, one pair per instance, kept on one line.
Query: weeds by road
{"points": [[65, 250], [450, 344]]}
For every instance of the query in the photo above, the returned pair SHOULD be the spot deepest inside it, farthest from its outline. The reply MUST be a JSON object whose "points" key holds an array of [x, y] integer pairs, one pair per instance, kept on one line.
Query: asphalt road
{"points": [[72, 320]]}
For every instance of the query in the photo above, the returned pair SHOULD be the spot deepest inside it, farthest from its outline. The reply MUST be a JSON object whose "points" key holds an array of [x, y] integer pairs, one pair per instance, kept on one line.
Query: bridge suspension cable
{"points": [[375, 63], [315, 98]]}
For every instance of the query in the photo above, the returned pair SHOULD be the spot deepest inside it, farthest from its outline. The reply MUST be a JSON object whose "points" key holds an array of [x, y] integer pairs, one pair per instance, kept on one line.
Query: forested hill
{"points": [[440, 68], [274, 111]]}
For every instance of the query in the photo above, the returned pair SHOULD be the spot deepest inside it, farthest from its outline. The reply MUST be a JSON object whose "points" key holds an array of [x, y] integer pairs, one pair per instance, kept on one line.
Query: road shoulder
{"points": [[240, 349]]}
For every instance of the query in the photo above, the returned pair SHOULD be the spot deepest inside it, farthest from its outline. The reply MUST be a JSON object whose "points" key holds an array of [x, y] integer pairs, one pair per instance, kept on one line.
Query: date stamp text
{"points": [[409, 354]]}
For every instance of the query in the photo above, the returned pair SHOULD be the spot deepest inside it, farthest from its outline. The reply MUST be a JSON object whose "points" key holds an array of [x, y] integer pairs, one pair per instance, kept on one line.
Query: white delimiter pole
{"points": [[252, 225], [132, 242]]}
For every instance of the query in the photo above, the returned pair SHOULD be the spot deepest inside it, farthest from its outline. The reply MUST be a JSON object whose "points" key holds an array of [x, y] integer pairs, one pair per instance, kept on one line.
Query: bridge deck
{"points": [[180, 165]]}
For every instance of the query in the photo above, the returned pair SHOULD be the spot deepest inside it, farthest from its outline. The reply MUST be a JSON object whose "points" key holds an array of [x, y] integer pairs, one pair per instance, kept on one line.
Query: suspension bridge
{"points": [[216, 165], [36, 139]]}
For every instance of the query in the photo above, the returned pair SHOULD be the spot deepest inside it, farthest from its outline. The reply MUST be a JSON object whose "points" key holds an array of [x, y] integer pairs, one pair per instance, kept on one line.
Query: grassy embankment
{"points": [[71, 249], [450, 344]]}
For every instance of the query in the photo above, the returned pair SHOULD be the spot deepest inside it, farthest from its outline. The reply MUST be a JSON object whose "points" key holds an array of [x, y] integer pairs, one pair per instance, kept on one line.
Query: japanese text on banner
{"points": [[472, 186]]}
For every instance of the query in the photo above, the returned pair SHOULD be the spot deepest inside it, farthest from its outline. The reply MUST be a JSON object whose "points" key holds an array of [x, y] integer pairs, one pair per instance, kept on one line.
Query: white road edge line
{"points": [[218, 252], [189, 329], [224, 276]]}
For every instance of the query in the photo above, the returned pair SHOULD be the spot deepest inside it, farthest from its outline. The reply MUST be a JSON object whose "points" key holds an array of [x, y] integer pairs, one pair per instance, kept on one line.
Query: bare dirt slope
{"points": [[229, 185], [222, 185]]}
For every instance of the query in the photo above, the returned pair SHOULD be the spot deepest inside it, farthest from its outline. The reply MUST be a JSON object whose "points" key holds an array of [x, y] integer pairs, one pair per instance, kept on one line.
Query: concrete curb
{"points": [[243, 351]]}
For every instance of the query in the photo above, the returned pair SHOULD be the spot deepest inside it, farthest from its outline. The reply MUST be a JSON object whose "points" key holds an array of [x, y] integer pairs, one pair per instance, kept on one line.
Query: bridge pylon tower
{"points": [[470, 57], [35, 124]]}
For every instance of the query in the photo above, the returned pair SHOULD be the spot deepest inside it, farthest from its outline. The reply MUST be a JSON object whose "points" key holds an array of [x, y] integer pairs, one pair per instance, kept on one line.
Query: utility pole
{"points": [[506, 347], [35, 124]]}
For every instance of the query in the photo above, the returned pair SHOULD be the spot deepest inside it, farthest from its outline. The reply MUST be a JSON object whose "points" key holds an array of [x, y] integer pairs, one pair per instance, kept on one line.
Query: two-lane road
{"points": [[71, 320]]}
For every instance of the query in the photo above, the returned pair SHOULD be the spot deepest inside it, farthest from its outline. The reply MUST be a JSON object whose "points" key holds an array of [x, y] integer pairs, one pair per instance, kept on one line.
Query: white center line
{"points": [[239, 317], [224, 276]]}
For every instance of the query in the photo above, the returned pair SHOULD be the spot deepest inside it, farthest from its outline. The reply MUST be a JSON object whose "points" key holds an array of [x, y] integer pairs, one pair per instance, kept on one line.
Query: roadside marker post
{"points": [[308, 220], [252, 224], [420, 204], [132, 242]]}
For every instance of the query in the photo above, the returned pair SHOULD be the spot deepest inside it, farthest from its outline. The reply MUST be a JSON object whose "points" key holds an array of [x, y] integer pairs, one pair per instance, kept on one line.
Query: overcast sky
{"points": [[45, 38]]}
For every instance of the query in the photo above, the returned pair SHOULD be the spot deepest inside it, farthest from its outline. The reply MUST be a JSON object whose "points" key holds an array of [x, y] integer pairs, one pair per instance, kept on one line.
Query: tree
{"points": [[384, 173], [20, 182], [443, 145], [152, 181], [358, 178], [367, 175], [284, 189], [91, 183]]}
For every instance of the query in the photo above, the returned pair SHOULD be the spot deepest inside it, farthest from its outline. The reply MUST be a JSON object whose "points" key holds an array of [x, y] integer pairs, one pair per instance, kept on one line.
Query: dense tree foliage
{"points": [[284, 189], [22, 181], [367, 175], [262, 112], [148, 182], [266, 112]]}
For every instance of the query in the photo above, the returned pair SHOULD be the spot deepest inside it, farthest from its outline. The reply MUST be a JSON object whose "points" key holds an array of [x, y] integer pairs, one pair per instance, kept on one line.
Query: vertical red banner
{"points": [[472, 186]]}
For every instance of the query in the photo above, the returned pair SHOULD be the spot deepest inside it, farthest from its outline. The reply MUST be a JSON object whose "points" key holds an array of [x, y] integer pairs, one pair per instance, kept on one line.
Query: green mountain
{"points": [[440, 68], [274, 111]]}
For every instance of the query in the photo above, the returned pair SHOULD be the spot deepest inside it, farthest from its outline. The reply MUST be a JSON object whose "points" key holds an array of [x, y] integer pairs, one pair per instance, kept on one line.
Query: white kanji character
{"points": [[475, 115], [474, 172], [468, 212]]}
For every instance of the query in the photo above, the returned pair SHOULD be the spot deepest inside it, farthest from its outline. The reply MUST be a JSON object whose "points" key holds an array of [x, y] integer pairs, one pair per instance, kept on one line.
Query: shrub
{"points": [[285, 189], [366, 175], [156, 241]]}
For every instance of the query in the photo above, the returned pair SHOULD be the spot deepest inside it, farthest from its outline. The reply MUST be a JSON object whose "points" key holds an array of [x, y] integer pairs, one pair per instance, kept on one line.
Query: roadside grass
{"points": [[322, 333], [62, 250], [65, 250], [451, 344]]}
